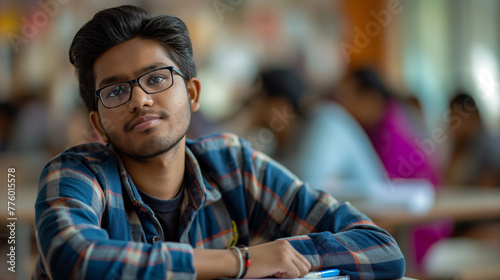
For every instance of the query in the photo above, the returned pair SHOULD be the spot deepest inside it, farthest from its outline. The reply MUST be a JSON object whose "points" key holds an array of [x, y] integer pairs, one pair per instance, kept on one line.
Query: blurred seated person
{"points": [[474, 159], [366, 98], [364, 95], [473, 162], [323, 145]]}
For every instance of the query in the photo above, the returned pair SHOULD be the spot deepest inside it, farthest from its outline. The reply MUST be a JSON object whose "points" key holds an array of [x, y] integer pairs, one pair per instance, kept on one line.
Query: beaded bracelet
{"points": [[247, 258], [240, 257]]}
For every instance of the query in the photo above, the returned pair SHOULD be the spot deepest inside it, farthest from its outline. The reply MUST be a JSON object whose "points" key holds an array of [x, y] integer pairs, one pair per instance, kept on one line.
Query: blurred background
{"points": [[353, 96]]}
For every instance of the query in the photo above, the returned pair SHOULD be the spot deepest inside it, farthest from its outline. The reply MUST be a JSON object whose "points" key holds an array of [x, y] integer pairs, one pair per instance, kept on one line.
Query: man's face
{"points": [[149, 124]]}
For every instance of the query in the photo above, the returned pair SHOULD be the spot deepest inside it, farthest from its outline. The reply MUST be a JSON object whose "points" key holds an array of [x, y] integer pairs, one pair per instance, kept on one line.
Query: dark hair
{"points": [[463, 99], [368, 79], [113, 26], [284, 82]]}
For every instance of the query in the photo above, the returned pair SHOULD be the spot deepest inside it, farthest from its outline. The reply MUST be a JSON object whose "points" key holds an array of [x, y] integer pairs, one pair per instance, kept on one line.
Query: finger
{"points": [[289, 262], [302, 268], [279, 275], [301, 262], [291, 250], [290, 272]]}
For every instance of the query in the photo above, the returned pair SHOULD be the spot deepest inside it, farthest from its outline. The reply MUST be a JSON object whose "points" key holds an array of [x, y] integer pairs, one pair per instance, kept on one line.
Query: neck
{"points": [[160, 177]]}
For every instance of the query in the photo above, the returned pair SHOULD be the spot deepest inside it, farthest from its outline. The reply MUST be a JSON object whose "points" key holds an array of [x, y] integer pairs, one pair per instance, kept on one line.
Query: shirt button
{"points": [[155, 239]]}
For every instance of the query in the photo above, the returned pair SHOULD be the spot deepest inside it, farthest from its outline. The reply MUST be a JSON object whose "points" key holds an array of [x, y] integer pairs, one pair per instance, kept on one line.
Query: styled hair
{"points": [[114, 26]]}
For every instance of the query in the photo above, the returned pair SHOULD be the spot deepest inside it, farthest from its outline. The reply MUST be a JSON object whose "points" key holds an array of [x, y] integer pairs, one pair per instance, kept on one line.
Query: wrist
{"points": [[235, 263], [246, 257], [240, 261], [213, 264], [244, 261]]}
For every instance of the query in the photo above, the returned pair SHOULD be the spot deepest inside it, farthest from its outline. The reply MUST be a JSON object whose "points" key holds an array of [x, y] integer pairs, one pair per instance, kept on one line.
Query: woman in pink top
{"points": [[397, 141], [391, 132]]}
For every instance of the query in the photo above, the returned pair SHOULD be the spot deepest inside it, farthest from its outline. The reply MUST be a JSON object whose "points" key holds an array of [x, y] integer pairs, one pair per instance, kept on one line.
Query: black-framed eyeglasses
{"points": [[158, 80]]}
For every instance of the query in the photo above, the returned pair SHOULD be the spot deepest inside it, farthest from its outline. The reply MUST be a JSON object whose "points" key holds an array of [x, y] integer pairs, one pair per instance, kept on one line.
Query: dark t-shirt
{"points": [[167, 212]]}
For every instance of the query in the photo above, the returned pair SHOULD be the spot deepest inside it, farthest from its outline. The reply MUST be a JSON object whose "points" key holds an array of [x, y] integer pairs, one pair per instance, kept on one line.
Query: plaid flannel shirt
{"points": [[92, 224]]}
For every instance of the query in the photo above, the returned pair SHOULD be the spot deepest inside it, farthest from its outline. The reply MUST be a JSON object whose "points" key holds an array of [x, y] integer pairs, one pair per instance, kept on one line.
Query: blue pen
{"points": [[323, 274]]}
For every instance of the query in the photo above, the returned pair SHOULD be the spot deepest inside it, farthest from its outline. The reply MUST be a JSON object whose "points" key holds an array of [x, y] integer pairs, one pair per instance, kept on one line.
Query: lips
{"points": [[144, 122]]}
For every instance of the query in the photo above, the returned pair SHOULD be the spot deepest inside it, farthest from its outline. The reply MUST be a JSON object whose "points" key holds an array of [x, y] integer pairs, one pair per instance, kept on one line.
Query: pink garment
{"points": [[405, 154], [422, 237]]}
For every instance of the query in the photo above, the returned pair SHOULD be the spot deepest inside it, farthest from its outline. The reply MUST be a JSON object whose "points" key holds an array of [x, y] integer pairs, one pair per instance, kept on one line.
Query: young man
{"points": [[153, 205]]}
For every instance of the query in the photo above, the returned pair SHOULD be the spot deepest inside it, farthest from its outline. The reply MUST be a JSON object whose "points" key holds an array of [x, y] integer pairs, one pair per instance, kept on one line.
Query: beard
{"points": [[158, 145]]}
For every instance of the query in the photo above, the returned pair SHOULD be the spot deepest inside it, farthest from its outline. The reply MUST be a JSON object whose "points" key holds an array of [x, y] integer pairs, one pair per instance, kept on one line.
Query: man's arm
{"points": [[328, 233], [277, 258]]}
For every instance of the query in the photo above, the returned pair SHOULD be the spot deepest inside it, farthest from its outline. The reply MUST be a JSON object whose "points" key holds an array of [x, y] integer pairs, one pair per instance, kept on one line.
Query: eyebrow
{"points": [[121, 77]]}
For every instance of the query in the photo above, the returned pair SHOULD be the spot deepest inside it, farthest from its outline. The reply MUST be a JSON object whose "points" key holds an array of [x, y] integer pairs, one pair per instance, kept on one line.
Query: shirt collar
{"points": [[211, 194], [199, 189]]}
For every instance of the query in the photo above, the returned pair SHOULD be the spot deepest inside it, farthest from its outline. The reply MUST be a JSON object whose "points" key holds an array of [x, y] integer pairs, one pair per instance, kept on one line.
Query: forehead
{"points": [[127, 58]]}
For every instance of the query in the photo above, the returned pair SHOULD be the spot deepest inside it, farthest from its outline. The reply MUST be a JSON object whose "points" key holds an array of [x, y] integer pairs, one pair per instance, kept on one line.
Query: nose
{"points": [[139, 98]]}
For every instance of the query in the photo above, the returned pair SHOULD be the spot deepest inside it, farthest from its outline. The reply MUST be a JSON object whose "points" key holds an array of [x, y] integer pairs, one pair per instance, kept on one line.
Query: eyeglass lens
{"points": [[153, 82]]}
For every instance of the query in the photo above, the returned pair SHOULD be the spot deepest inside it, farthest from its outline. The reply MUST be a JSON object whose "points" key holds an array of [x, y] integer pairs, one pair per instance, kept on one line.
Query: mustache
{"points": [[141, 113]]}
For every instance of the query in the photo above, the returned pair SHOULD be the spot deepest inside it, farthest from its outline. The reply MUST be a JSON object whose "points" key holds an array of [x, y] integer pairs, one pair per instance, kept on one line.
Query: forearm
{"points": [[363, 251], [213, 264], [360, 253], [344, 238], [278, 259]]}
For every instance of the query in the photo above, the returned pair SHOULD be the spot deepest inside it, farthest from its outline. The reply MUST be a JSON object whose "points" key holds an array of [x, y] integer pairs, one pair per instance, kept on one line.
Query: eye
{"points": [[116, 91], [156, 80]]}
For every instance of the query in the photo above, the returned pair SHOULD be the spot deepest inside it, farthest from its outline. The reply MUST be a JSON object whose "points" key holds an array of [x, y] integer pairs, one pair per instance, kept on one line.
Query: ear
{"points": [[95, 120], [194, 88]]}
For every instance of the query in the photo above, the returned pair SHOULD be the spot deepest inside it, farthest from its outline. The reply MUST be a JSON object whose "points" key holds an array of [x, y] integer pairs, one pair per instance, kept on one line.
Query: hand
{"points": [[278, 259]]}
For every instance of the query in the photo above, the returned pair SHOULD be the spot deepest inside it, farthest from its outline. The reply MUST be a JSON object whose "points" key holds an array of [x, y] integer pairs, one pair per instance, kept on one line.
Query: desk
{"points": [[454, 205], [457, 205]]}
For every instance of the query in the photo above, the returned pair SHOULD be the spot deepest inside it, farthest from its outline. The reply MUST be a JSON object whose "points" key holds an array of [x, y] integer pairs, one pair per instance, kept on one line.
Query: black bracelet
{"points": [[247, 260]]}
